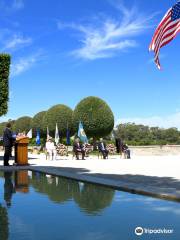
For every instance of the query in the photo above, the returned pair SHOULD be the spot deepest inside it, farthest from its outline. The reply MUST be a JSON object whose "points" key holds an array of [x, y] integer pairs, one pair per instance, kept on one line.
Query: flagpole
{"points": [[67, 139]]}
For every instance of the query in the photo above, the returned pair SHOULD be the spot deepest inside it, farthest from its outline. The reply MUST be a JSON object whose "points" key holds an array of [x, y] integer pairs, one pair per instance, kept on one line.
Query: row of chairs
{"points": [[62, 150]]}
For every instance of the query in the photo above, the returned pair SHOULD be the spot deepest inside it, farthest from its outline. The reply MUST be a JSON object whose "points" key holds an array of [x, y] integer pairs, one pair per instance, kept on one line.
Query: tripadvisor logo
{"points": [[139, 231]]}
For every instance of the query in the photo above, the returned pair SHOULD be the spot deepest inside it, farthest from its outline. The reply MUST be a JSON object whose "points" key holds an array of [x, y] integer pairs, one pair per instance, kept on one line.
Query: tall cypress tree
{"points": [[5, 61]]}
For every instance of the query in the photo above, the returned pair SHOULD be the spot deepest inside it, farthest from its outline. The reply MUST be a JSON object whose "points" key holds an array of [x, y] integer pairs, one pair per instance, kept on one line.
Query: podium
{"points": [[21, 151]]}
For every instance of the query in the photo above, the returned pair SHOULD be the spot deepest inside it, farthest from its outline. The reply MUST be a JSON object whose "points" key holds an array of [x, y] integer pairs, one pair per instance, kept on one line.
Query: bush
{"points": [[96, 116], [62, 115], [23, 124], [5, 61]]}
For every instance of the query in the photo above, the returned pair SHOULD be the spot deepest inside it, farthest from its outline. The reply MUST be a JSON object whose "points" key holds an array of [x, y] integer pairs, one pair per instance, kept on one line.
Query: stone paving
{"points": [[156, 176]]}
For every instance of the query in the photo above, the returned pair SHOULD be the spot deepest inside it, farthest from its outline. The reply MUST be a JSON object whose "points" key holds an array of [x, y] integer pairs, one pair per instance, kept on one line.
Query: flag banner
{"points": [[81, 133], [38, 140], [29, 134], [166, 31], [68, 141], [56, 135]]}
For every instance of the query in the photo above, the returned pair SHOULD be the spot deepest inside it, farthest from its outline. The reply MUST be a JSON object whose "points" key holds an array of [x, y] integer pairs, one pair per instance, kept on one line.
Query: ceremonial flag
{"points": [[81, 133], [166, 31], [68, 141], [29, 134], [56, 135], [38, 140]]}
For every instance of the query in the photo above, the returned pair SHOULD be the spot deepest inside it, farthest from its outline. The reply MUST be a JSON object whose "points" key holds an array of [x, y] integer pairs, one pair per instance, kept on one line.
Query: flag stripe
{"points": [[166, 31], [167, 26], [165, 38], [163, 22], [170, 38]]}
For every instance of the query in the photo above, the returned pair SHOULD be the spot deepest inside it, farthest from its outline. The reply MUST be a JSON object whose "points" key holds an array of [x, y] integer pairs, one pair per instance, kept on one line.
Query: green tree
{"points": [[23, 124], [62, 115], [172, 135], [5, 61], [135, 134], [37, 122], [96, 116]]}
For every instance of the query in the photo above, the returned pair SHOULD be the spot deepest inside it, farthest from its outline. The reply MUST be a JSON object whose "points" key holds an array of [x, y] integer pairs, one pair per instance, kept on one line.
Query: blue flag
{"points": [[38, 140], [81, 133], [68, 141]]}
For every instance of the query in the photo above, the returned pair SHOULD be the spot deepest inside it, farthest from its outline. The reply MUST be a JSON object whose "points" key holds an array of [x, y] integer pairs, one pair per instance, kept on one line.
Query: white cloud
{"points": [[169, 121], [105, 37], [12, 6], [18, 4], [24, 64], [16, 42]]}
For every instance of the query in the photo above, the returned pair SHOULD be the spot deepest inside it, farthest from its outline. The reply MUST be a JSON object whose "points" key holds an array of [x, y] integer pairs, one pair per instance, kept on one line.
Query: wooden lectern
{"points": [[21, 151]]}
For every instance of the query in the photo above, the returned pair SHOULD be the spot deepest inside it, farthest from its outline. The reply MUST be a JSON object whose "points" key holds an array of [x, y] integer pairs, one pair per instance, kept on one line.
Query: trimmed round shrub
{"points": [[37, 122], [96, 116], [62, 115], [23, 124]]}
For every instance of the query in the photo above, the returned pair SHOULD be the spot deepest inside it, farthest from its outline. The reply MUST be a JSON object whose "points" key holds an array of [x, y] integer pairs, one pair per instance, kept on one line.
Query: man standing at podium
{"points": [[8, 143]]}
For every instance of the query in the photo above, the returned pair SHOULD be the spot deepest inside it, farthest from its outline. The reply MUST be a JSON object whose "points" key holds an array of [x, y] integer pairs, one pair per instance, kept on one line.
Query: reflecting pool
{"points": [[34, 206]]}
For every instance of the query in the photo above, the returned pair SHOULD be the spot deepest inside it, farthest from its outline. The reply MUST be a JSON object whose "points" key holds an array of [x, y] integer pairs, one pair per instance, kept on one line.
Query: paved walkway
{"points": [[157, 176]]}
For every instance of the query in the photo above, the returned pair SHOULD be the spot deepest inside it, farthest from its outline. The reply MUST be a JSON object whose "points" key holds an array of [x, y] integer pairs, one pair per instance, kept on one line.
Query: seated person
{"points": [[102, 148], [126, 151], [78, 148], [51, 148]]}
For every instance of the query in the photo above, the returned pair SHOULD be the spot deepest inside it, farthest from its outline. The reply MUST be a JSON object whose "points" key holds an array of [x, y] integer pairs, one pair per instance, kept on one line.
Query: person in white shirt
{"points": [[51, 148]]}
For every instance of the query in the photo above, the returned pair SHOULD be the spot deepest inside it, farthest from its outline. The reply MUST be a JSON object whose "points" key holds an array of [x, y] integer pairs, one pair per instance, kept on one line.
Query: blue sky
{"points": [[65, 50]]}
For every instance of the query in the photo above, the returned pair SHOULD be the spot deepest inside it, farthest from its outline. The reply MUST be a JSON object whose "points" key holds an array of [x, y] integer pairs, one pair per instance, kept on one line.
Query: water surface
{"points": [[39, 206]]}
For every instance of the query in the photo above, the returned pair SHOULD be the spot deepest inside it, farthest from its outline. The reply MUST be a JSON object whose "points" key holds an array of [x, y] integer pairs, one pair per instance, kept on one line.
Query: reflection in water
{"points": [[8, 188], [4, 225], [22, 181], [21, 184], [93, 199], [89, 197], [82, 217]]}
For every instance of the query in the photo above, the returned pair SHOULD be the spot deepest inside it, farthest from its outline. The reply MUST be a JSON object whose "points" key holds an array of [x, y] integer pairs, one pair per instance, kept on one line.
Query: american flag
{"points": [[166, 31]]}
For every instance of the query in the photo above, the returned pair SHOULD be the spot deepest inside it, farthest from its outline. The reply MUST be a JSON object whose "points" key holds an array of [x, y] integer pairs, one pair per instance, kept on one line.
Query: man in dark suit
{"points": [[78, 148], [119, 145], [102, 148], [8, 143]]}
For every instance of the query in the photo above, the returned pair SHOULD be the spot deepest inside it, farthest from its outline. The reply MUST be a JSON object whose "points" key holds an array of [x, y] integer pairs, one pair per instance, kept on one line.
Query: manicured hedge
{"points": [[96, 116], [62, 115], [23, 124]]}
